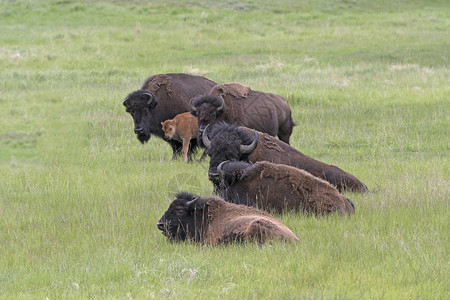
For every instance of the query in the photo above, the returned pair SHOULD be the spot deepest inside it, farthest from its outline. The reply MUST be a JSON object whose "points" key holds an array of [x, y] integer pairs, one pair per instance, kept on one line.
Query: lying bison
{"points": [[279, 187], [162, 97], [237, 104], [230, 142], [214, 221]]}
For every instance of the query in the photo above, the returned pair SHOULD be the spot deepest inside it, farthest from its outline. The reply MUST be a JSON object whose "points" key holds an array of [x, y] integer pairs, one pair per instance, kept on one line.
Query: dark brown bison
{"points": [[237, 104], [162, 97], [281, 188], [230, 142], [214, 221]]}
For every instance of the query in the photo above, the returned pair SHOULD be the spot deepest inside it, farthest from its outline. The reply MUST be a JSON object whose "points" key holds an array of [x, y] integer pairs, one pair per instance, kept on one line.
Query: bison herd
{"points": [[251, 170]]}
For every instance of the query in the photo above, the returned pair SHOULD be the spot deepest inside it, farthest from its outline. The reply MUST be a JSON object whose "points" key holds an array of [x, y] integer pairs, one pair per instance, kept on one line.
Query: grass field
{"points": [[369, 86]]}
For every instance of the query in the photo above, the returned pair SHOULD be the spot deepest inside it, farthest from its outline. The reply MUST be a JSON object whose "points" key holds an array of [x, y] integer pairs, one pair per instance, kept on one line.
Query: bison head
{"points": [[184, 218], [168, 127], [230, 172], [208, 109], [140, 105], [227, 142]]}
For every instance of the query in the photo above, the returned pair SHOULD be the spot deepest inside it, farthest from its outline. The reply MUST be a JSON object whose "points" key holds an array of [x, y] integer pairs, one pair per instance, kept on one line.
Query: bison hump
{"points": [[235, 89], [155, 82]]}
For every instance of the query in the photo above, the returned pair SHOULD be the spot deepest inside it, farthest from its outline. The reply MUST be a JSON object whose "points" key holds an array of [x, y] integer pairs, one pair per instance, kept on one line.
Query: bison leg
{"points": [[205, 153], [176, 148], [186, 148], [193, 144]]}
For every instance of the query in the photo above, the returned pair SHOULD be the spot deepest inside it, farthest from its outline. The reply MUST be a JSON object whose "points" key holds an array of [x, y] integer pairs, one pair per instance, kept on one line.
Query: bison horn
{"points": [[151, 100], [246, 149], [125, 102], [219, 168], [189, 203], [222, 106], [205, 138]]}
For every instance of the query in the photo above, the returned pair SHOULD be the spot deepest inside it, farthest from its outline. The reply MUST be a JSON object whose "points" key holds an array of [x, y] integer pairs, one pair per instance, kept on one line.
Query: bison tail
{"points": [[285, 130], [351, 203]]}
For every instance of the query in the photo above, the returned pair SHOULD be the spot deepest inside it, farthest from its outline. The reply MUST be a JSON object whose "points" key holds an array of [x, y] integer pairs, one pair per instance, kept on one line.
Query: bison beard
{"points": [[214, 221]]}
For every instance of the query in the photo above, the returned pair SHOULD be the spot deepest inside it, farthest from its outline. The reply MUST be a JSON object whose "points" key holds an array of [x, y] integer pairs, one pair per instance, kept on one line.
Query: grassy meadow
{"points": [[369, 86]]}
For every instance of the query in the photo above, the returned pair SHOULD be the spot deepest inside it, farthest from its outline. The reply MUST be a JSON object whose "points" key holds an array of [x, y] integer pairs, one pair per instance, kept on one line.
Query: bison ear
{"points": [[151, 100], [221, 108], [220, 91], [193, 109]]}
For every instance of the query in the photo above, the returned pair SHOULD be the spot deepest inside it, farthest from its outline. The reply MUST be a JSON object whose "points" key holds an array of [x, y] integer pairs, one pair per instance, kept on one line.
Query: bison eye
{"points": [[179, 211]]}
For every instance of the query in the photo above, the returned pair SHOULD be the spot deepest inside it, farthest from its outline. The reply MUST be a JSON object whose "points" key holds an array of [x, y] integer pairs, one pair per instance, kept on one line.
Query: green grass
{"points": [[368, 83]]}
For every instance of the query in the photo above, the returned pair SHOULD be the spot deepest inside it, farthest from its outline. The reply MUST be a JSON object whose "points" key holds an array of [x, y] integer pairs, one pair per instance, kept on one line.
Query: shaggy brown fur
{"points": [[272, 150], [282, 188], [265, 112], [228, 221], [235, 89], [182, 128], [214, 221], [155, 82]]}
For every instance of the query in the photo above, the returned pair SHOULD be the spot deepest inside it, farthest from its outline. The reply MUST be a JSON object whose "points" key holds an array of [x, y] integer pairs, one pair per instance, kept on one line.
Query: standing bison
{"points": [[182, 128], [237, 104], [214, 221], [281, 188], [162, 97], [230, 142]]}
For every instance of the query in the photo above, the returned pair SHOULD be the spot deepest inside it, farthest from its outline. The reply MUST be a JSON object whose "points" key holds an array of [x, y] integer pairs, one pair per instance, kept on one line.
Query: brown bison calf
{"points": [[214, 221], [182, 128], [279, 187]]}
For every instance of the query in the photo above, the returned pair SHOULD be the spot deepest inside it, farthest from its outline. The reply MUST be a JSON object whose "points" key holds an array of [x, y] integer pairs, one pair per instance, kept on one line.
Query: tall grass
{"points": [[368, 83]]}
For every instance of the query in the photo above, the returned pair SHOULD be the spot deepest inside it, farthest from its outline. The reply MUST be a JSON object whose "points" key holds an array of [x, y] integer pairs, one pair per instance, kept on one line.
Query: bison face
{"points": [[179, 222], [228, 142], [140, 105], [229, 173], [207, 114], [169, 129], [208, 109]]}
